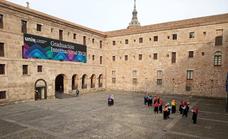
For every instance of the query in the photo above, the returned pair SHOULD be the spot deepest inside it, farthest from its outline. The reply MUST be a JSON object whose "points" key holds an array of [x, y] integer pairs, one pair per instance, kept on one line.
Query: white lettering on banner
{"points": [[66, 46]]}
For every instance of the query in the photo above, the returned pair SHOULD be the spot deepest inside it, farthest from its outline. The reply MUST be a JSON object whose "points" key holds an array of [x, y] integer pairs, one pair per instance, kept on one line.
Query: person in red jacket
{"points": [[195, 111]]}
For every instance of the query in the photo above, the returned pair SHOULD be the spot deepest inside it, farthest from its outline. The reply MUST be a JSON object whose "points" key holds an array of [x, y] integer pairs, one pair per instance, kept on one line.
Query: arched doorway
{"points": [[74, 82], [84, 81], [40, 89], [100, 81], [59, 86], [92, 81]]}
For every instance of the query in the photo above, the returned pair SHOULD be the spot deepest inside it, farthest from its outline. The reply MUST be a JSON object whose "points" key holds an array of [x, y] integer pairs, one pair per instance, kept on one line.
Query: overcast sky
{"points": [[105, 15]]}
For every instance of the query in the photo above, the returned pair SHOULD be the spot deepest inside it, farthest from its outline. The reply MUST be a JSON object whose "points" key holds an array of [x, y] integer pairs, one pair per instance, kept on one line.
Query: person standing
{"points": [[195, 111], [173, 103]]}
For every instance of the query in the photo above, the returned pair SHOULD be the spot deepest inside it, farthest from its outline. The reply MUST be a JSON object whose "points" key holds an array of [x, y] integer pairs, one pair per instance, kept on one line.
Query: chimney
{"points": [[27, 3]]}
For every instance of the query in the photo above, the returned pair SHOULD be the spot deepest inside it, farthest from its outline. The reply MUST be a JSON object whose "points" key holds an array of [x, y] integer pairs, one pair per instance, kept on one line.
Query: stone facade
{"points": [[128, 72]]}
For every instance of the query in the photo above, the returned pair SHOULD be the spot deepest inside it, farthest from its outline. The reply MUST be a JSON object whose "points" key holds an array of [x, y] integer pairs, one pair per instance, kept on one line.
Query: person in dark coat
{"points": [[195, 111]]}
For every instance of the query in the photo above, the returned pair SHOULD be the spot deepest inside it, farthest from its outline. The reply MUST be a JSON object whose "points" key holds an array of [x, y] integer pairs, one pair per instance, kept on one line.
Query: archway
{"points": [[93, 80], [100, 81], [74, 82], [40, 89], [59, 86], [84, 81]]}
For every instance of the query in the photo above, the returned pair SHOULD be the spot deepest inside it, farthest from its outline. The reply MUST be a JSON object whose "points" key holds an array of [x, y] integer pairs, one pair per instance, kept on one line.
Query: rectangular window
{"points": [[155, 56], [159, 81], [74, 36], [189, 74], [126, 41], [159, 74], [134, 73], [192, 35], [140, 56], [140, 40], [174, 36], [23, 26], [217, 60], [113, 80], [1, 49], [113, 42], [93, 40], [134, 81], [155, 38], [173, 59], [39, 68], [61, 35], [38, 27], [2, 69], [1, 21], [84, 40], [2, 94], [113, 58], [190, 54], [93, 57], [25, 69], [100, 44], [126, 57], [113, 73], [101, 60], [218, 40], [188, 88]]}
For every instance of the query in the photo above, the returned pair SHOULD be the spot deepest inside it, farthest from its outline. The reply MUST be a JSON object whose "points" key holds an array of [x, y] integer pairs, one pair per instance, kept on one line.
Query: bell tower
{"points": [[134, 21]]}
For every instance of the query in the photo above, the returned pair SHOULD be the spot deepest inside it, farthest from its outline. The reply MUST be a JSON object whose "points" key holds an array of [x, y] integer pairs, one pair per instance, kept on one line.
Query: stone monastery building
{"points": [[42, 56]]}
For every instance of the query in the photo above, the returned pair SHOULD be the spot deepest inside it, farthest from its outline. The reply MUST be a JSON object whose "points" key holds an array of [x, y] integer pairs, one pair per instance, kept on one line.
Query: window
{"points": [[2, 94], [113, 73], [204, 33], [155, 56], [74, 36], [113, 80], [159, 77], [93, 57], [126, 41], [2, 68], [52, 29], [140, 56], [39, 68], [84, 40], [218, 40], [113, 58], [1, 49], [173, 59], [1, 21], [93, 40], [192, 35], [25, 69], [134, 81], [190, 54], [155, 38], [101, 60], [218, 58], [38, 27], [174, 36], [134, 73], [126, 57], [189, 74], [113, 42], [61, 35], [100, 44], [188, 88], [23, 26], [140, 40]]}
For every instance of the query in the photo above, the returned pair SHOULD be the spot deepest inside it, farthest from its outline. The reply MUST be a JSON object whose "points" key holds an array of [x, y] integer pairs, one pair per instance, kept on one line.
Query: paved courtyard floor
{"points": [[88, 116]]}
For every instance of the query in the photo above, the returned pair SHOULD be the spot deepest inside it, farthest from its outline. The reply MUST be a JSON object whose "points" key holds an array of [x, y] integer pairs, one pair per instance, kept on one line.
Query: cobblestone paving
{"points": [[88, 116]]}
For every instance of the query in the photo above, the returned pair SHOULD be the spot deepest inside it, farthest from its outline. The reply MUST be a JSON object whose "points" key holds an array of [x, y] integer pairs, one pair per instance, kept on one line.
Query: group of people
{"points": [[170, 107]]}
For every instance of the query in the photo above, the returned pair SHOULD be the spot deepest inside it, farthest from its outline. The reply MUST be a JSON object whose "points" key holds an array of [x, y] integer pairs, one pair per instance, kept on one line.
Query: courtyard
{"points": [[88, 116]]}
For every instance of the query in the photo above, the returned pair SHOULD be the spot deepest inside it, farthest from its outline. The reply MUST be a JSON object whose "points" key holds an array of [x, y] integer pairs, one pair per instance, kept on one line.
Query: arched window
{"points": [[218, 58]]}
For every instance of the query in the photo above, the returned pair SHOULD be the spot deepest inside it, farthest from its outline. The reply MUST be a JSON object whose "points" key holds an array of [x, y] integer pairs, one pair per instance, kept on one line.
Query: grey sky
{"points": [[107, 15]]}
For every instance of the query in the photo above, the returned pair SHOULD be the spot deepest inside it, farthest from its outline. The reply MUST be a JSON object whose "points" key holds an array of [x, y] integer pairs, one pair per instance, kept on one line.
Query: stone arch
{"points": [[84, 81], [40, 89], [60, 84], [100, 81], [92, 81], [74, 82]]}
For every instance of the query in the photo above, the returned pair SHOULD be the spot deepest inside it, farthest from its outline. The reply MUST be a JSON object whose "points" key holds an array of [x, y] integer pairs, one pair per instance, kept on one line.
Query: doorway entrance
{"points": [[59, 86], [40, 89]]}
